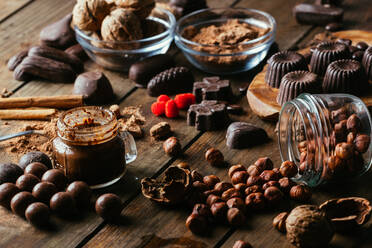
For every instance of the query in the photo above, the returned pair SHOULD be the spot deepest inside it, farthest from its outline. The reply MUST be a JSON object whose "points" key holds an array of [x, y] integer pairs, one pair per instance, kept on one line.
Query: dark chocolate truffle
{"points": [[242, 135], [63, 204], [43, 191], [297, 82], [20, 202], [325, 53], [81, 192], [281, 63], [57, 177], [27, 182], [345, 76], [9, 173], [36, 169], [367, 62], [37, 214], [109, 206], [7, 191], [35, 156]]}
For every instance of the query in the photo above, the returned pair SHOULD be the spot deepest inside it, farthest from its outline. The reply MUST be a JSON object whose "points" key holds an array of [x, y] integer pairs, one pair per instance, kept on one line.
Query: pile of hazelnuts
{"points": [[258, 187], [33, 190]]}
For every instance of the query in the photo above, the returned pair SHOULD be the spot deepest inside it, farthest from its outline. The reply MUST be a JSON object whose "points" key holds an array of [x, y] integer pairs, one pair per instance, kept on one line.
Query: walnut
{"points": [[89, 14], [141, 8]]}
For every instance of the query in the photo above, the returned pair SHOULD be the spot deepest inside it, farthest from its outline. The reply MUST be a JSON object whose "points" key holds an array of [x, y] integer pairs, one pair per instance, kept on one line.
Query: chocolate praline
{"points": [[57, 177], [63, 204], [27, 182], [7, 191], [109, 206], [36, 168], [20, 202], [9, 173], [37, 214], [35, 156], [81, 192], [367, 62], [43, 191], [242, 135]]}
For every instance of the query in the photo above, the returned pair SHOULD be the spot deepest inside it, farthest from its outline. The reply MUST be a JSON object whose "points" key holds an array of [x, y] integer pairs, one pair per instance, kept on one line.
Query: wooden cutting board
{"points": [[262, 98]]}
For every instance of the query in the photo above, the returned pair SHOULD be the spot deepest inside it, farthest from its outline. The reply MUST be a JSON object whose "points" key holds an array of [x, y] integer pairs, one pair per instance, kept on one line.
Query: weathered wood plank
{"points": [[7, 8]]}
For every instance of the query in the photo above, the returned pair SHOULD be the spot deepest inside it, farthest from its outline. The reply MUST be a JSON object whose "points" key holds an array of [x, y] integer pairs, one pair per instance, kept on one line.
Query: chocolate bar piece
{"points": [[317, 14], [212, 88], [242, 135], [208, 115]]}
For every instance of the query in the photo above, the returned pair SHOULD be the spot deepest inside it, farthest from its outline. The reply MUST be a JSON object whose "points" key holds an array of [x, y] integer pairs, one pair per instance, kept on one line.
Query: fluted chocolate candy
{"points": [[212, 88], [367, 62], [242, 135], [35, 156], [317, 14], [58, 34], [16, 60], [207, 115], [142, 71]]}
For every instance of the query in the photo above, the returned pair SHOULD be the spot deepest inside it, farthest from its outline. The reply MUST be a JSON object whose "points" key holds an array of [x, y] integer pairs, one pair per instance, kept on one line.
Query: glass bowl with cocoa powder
{"points": [[225, 40]]}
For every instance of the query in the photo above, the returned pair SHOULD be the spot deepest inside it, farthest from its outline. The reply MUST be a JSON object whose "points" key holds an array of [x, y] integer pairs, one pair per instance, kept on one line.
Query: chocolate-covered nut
{"points": [[37, 214], [63, 204], [317, 14], [20, 202], [9, 173], [81, 193], [57, 177], [241, 135], [16, 60], [35, 156], [109, 206], [95, 88], [143, 71], [58, 34], [212, 88], [37, 169], [333, 27], [7, 191], [43, 191], [78, 51], [27, 182]]}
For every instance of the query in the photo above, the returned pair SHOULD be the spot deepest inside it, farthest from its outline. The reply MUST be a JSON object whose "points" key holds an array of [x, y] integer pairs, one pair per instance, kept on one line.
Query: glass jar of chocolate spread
{"points": [[89, 147], [327, 136]]}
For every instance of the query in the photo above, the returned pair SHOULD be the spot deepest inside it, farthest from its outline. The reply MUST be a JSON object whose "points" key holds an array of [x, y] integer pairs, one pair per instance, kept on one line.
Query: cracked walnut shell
{"points": [[89, 14]]}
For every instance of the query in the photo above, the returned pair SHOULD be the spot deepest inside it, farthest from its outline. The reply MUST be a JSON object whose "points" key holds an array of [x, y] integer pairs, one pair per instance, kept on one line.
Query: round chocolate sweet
{"points": [[81, 192], [35, 156], [37, 214], [367, 62], [57, 177], [36, 168], [20, 202], [345, 76], [27, 182], [281, 63], [358, 56], [63, 204], [109, 206], [297, 82], [9, 173], [325, 53], [43, 191], [7, 191], [361, 45]]}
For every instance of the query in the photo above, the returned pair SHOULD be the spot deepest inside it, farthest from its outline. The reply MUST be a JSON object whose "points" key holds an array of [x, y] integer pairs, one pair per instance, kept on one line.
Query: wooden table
{"points": [[146, 224]]}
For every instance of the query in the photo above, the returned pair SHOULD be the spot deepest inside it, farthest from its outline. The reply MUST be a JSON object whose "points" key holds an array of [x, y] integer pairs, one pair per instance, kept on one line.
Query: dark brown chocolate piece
{"points": [[367, 62], [81, 192], [109, 206], [7, 191], [242, 135], [37, 169], [16, 60], [212, 88], [37, 214], [57, 177], [234, 109], [58, 34], [20, 202], [142, 71], [358, 56], [78, 51], [95, 88], [317, 14], [43, 191], [63, 204], [27, 182], [333, 27], [35, 156], [9, 173], [184, 7], [208, 115]]}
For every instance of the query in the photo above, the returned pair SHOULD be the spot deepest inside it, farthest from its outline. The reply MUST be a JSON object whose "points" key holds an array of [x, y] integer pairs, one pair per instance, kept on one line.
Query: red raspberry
{"points": [[158, 108], [183, 101], [163, 98], [171, 109], [191, 98]]}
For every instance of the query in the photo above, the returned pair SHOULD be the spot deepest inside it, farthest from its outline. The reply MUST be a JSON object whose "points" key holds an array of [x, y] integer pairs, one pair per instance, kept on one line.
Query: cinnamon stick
{"points": [[59, 102], [27, 114]]}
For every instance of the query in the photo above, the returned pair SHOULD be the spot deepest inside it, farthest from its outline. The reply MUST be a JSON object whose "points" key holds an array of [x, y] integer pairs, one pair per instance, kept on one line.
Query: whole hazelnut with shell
{"points": [[213, 199], [344, 150], [288, 169], [361, 143], [300, 193], [236, 217], [172, 147], [211, 180], [197, 224], [239, 177], [214, 157], [230, 193], [242, 244], [219, 211], [235, 168], [264, 163], [254, 170], [255, 201], [253, 189], [222, 186], [279, 222], [273, 195], [89, 14]]}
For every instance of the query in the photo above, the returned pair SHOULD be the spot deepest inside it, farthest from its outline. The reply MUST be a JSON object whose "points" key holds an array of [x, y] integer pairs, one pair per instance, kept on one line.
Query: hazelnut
{"points": [[241, 187], [279, 222], [202, 210], [211, 180], [270, 184], [197, 224], [340, 131], [235, 217], [300, 193], [236, 203], [264, 163], [361, 143], [219, 211], [302, 146], [196, 176], [253, 170], [254, 180], [200, 186], [350, 138], [234, 168], [222, 186], [344, 150], [339, 115], [211, 192], [239, 177], [335, 164], [230, 193], [277, 173], [288, 169], [286, 184], [269, 175], [255, 201], [353, 123], [183, 165], [253, 189], [213, 199], [242, 244], [214, 157], [273, 195], [172, 146]]}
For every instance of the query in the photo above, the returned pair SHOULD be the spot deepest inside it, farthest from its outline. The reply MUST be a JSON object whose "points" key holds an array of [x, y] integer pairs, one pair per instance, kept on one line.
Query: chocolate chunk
{"points": [[172, 81], [242, 135], [37, 214], [58, 34], [27, 182], [16, 60], [63, 204], [317, 14], [334, 26], [109, 206], [78, 51], [95, 88], [212, 88], [20, 202], [43, 191], [55, 176], [7, 191], [208, 115], [142, 71], [35, 156], [162, 130], [81, 193], [9, 173]]}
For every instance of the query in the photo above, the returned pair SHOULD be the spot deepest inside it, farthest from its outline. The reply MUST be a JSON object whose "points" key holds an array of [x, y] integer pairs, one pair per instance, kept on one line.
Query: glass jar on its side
{"points": [[327, 136]]}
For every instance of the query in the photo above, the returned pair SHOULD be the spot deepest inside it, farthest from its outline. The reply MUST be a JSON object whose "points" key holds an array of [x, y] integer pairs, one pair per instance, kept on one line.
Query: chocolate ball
{"points": [[81, 193], [109, 206], [35, 156], [9, 173], [27, 182], [37, 214], [20, 202], [63, 204], [7, 191], [43, 191], [36, 168], [57, 177]]}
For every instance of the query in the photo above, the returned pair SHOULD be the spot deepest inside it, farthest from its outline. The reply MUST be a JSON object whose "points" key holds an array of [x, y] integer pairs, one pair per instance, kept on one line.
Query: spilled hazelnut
{"points": [[235, 217], [288, 169], [344, 150], [273, 195], [214, 157], [242, 244], [300, 193], [264, 163], [197, 224], [172, 146], [230, 193], [235, 168], [219, 211], [239, 177], [279, 222], [361, 143], [255, 201], [253, 170], [211, 180], [253, 189]]}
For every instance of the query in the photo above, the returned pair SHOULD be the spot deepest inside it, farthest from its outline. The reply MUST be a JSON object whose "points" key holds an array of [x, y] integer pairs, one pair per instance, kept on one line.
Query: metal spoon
{"points": [[28, 132]]}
